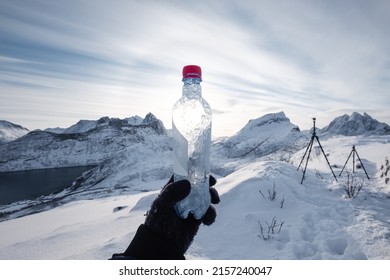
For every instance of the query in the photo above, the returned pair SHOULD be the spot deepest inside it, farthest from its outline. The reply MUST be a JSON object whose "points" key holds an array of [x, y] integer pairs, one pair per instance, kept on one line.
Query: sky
{"points": [[62, 61]]}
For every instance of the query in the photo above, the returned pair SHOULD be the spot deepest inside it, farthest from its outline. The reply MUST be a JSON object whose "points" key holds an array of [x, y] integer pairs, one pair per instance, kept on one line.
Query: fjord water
{"points": [[24, 185]]}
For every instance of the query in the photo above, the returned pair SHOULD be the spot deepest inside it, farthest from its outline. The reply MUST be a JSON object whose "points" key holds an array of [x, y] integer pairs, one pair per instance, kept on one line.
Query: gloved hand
{"points": [[164, 235]]}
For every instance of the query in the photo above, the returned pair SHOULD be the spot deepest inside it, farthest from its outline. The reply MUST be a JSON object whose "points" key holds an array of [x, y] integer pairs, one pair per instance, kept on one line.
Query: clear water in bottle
{"points": [[191, 129]]}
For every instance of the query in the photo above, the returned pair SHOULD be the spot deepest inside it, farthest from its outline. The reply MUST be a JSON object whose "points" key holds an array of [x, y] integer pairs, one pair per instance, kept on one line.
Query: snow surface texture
{"points": [[265, 213]]}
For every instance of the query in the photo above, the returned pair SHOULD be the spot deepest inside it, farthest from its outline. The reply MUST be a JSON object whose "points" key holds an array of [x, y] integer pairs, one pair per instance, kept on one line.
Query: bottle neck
{"points": [[192, 88]]}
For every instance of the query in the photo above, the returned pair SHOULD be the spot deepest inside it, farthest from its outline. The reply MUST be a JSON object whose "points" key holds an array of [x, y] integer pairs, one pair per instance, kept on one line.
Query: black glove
{"points": [[164, 235]]}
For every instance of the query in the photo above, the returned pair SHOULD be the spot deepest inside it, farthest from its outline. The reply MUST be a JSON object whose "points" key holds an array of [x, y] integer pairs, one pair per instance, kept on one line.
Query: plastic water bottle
{"points": [[191, 129]]}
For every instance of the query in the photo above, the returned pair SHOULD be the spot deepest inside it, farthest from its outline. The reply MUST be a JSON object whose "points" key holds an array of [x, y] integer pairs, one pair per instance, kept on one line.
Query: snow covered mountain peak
{"points": [[263, 136], [155, 123], [10, 131], [354, 125], [149, 118], [267, 119]]}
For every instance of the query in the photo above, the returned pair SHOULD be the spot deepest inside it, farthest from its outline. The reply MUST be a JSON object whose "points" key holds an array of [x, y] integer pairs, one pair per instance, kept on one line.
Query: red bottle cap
{"points": [[192, 71]]}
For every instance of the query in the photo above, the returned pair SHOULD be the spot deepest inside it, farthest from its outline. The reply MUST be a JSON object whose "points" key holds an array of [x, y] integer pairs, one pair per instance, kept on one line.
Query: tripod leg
{"points": [[346, 163], [362, 165], [307, 148], [326, 158], [307, 160]]}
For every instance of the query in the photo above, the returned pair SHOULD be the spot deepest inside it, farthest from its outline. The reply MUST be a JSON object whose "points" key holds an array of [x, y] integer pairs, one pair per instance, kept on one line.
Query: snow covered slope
{"points": [[10, 131], [312, 221]]}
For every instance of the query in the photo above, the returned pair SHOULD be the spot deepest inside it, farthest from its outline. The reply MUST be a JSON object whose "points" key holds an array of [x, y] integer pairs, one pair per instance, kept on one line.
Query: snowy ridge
{"points": [[87, 125], [134, 120], [10, 131], [57, 130]]}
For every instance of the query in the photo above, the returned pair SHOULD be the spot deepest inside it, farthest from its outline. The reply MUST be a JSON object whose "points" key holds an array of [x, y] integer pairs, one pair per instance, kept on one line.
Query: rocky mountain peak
{"points": [[355, 124], [156, 124], [263, 136], [267, 120]]}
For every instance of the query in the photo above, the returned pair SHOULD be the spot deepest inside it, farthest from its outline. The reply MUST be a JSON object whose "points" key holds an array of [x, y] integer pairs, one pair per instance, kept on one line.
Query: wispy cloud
{"points": [[121, 58]]}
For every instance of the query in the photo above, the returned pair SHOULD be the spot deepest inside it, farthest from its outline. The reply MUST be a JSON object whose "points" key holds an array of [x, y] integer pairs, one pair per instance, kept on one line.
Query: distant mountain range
{"points": [[87, 125], [85, 143], [92, 142], [354, 125]]}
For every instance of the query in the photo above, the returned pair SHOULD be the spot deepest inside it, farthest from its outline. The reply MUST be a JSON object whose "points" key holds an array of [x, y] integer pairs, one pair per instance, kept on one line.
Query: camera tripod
{"points": [[309, 147], [353, 153]]}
